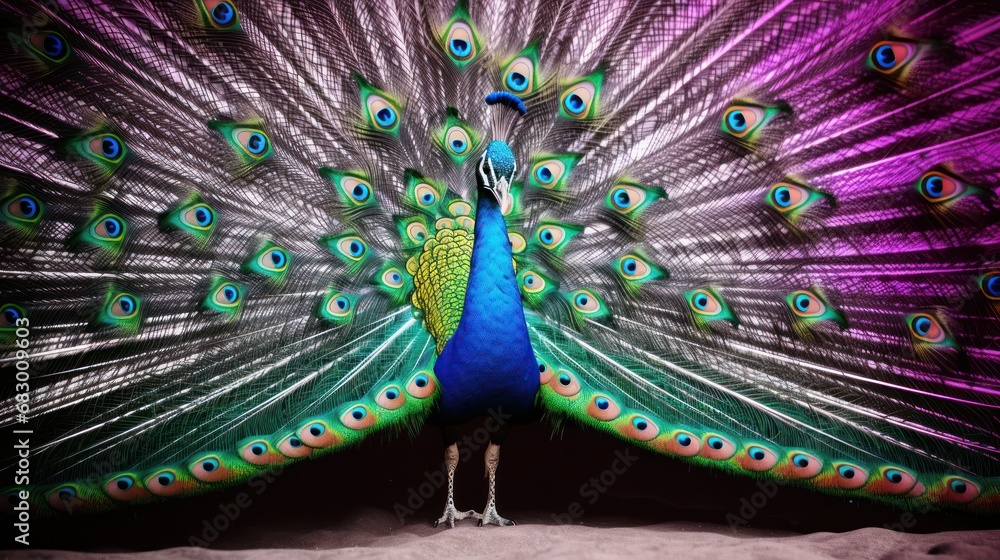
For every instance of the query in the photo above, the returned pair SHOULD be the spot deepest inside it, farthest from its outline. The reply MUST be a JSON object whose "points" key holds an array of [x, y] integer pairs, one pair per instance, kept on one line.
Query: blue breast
{"points": [[488, 364]]}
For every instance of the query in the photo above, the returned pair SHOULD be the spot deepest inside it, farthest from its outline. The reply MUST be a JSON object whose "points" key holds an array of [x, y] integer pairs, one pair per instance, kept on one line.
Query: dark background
{"points": [[540, 476]]}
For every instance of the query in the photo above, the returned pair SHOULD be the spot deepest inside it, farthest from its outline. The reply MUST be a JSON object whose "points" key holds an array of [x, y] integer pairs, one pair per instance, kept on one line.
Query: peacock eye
{"points": [[640, 423], [990, 284], [936, 186], [460, 208], [316, 429], [358, 190], [352, 247], [460, 41], [704, 303], [292, 446], [633, 267], [520, 75], [894, 476], [24, 208], [66, 493], [124, 306], [891, 57], [253, 141], [625, 198], [227, 295], [603, 408], [517, 242], [10, 314], [358, 418], [210, 464], [551, 235], [124, 483], [787, 197], [425, 194], [641, 428], [565, 383], [49, 44], [533, 283], [805, 304], [548, 172], [383, 114], [457, 140], [390, 398], [586, 302], [274, 260], [962, 490], [741, 120], [926, 328], [200, 216], [392, 278], [109, 227], [109, 147], [223, 13], [165, 478], [339, 306], [421, 386], [417, 232], [578, 99]]}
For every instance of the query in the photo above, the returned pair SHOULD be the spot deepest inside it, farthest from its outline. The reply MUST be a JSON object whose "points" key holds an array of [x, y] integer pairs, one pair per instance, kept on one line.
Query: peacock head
{"points": [[496, 172]]}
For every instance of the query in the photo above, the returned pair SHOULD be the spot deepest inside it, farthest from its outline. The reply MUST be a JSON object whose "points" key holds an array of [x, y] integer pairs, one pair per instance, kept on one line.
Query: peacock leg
{"points": [[490, 514], [450, 513]]}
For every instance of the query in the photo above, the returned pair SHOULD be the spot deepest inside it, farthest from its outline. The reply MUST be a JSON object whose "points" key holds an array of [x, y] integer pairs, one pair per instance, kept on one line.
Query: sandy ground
{"points": [[376, 534]]}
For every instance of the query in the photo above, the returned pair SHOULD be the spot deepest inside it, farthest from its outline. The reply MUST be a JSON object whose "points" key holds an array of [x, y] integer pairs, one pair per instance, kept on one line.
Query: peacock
{"points": [[759, 237]]}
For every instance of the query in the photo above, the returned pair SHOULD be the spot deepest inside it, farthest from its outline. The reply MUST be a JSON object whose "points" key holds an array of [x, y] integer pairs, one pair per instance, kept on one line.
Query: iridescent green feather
{"points": [[456, 139], [105, 230], [225, 297], [423, 194], [580, 98], [414, 231], [520, 74], [103, 148], [630, 199], [353, 188], [707, 306], [460, 40], [349, 248], [635, 269], [270, 261], [379, 110], [338, 307], [394, 281], [193, 216], [536, 288], [120, 310], [248, 140], [551, 172], [21, 210], [222, 16]]}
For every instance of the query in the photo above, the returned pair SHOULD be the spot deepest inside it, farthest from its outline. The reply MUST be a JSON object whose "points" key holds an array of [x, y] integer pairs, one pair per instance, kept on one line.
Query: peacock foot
{"points": [[451, 515], [491, 517]]}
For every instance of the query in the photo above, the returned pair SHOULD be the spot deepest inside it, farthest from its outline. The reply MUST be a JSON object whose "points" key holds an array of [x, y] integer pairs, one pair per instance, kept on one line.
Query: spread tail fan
{"points": [[756, 236]]}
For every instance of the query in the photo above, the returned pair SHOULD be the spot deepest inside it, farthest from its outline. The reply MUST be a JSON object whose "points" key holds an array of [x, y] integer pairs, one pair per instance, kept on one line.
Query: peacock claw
{"points": [[491, 517], [451, 515]]}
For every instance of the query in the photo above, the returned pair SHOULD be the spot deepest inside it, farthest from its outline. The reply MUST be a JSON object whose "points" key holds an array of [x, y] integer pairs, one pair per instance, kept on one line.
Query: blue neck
{"points": [[492, 284]]}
